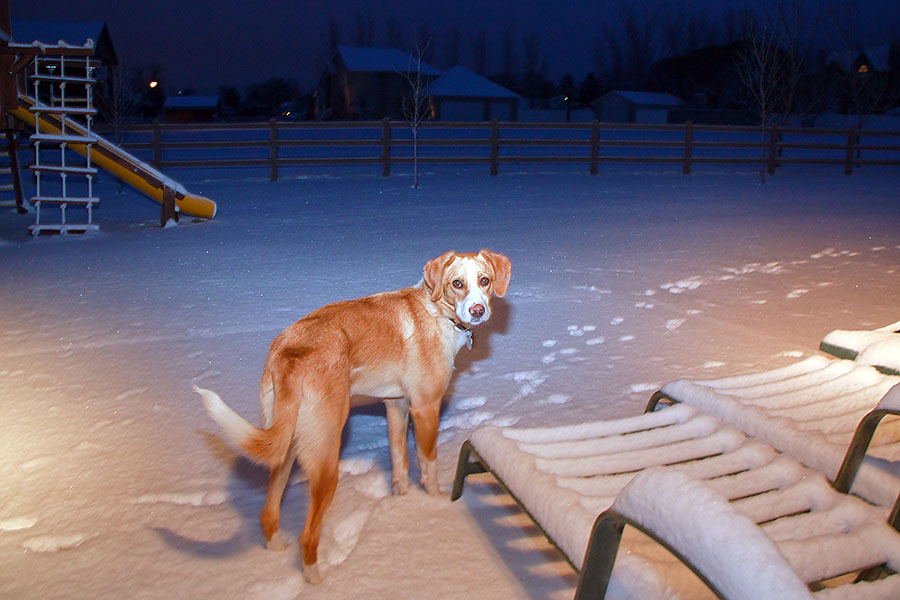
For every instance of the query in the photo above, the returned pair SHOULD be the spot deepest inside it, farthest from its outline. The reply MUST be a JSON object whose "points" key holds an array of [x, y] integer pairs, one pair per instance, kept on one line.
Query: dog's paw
{"points": [[276, 542], [311, 574], [401, 487]]}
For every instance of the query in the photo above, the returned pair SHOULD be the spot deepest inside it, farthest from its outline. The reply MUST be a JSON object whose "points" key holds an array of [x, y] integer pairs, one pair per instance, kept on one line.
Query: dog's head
{"points": [[464, 283]]}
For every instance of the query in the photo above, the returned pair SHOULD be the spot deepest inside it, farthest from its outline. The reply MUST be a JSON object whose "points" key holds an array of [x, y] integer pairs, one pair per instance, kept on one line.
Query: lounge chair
{"points": [[798, 537], [563, 477], [877, 347], [810, 410]]}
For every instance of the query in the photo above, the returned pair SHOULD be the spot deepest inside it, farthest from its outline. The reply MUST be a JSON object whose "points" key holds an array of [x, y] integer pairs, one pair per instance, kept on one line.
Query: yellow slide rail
{"points": [[119, 163]]}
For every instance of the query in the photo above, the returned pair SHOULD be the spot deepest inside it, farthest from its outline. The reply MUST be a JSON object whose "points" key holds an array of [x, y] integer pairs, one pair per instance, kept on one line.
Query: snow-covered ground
{"points": [[115, 484]]}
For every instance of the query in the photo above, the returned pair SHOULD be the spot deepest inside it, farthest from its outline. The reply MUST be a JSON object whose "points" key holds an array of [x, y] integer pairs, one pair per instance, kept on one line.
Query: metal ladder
{"points": [[54, 106]]}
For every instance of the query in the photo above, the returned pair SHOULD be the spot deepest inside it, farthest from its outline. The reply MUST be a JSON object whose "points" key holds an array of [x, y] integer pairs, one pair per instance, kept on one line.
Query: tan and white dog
{"points": [[397, 345]]}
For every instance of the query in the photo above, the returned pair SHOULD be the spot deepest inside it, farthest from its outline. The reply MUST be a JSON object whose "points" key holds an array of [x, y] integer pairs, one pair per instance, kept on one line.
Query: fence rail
{"points": [[276, 145]]}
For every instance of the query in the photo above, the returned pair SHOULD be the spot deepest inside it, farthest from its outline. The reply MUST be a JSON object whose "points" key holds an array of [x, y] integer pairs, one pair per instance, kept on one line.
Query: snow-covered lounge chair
{"points": [[798, 537], [563, 477], [877, 347]]}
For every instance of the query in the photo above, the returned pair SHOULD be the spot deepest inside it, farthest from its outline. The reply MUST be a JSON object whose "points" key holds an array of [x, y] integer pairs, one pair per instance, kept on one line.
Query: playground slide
{"points": [[119, 163]]}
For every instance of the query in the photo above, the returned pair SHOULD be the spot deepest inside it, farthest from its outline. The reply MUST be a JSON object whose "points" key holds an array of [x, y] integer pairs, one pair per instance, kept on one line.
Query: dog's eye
{"points": [[456, 283], [484, 281]]}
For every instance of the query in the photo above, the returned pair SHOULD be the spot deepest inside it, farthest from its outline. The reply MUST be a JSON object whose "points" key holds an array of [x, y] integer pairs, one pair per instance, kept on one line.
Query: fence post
{"points": [[595, 145], [157, 144], [273, 149], [851, 142], [688, 147], [386, 152], [495, 145], [773, 136]]}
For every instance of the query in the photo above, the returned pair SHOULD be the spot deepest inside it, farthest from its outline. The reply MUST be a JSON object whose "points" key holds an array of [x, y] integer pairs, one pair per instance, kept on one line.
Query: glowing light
{"points": [[863, 69], [153, 84]]}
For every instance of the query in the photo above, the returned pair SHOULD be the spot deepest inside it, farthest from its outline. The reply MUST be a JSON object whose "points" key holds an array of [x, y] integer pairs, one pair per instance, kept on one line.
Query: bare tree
{"points": [[334, 35], [117, 103], [681, 29], [510, 60], [638, 46], [365, 30], [396, 34], [795, 22], [864, 90], [479, 52], [760, 73], [415, 106], [451, 48]]}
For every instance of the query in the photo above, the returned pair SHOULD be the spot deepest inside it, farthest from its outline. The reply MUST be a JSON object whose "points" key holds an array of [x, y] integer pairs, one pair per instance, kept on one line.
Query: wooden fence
{"points": [[277, 144]]}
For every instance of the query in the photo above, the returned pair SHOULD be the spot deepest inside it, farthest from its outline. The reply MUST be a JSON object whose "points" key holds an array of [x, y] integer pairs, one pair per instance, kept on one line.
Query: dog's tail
{"points": [[265, 446]]}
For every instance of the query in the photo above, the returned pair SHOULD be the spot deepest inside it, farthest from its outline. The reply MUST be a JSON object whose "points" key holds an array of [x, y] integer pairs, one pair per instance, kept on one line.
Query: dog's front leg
{"points": [[425, 417], [398, 420]]}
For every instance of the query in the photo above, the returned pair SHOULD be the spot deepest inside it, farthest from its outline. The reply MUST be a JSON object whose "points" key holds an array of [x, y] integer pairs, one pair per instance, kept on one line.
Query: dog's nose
{"points": [[477, 311]]}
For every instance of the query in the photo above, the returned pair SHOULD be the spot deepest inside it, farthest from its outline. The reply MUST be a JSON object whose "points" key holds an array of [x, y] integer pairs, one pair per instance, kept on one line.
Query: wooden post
{"points": [[848, 160], [595, 145], [157, 144], [386, 150], [12, 147], [495, 146], [169, 209], [773, 137], [273, 149], [688, 147]]}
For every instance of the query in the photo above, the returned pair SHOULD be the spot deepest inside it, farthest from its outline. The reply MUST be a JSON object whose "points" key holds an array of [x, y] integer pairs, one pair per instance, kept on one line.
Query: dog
{"points": [[398, 346]]}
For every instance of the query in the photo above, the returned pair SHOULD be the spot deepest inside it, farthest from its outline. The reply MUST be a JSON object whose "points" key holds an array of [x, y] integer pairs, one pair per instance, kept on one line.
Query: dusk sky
{"points": [[203, 44]]}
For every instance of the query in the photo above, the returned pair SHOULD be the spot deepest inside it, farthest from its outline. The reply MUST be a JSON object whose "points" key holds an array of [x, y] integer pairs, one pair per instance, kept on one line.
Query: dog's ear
{"points": [[434, 274], [502, 270]]}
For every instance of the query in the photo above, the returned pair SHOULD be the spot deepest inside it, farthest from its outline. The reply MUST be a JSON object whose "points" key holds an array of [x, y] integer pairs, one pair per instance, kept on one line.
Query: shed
{"points": [[369, 83], [462, 95], [191, 108], [634, 107]]}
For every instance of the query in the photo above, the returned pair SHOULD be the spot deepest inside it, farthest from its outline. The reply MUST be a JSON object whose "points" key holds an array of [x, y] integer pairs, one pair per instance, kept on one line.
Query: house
{"points": [[634, 107], [191, 109], [368, 83], [462, 95]]}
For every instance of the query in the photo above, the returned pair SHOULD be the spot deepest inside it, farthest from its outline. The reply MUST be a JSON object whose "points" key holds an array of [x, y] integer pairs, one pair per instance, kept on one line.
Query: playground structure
{"points": [[61, 114]]}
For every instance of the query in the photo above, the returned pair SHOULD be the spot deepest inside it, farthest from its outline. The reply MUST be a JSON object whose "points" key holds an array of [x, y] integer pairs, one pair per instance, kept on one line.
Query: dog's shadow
{"points": [[246, 492], [499, 323]]}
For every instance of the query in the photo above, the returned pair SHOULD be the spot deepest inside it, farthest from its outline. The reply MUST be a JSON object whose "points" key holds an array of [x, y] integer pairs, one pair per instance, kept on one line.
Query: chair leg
{"points": [[856, 451], [464, 468], [603, 545]]}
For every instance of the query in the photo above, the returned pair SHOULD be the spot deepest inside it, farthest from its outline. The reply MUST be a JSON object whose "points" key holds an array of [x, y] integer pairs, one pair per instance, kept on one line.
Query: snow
{"points": [[733, 553], [115, 483]]}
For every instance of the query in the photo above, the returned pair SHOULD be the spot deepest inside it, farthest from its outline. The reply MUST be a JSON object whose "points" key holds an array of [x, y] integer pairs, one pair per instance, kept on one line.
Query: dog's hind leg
{"points": [[398, 422], [319, 453], [425, 419], [271, 512]]}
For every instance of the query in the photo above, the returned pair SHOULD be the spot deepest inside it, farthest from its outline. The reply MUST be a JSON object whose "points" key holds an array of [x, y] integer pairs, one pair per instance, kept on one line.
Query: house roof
{"points": [[191, 103], [645, 98], [460, 81], [378, 60]]}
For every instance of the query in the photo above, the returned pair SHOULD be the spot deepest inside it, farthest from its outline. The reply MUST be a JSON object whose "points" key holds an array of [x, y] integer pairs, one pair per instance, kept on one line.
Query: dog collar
{"points": [[466, 330]]}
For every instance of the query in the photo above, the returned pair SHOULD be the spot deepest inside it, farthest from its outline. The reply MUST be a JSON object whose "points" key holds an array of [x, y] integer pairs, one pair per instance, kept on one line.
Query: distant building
{"points": [[634, 107], [368, 83], [462, 95], [191, 109]]}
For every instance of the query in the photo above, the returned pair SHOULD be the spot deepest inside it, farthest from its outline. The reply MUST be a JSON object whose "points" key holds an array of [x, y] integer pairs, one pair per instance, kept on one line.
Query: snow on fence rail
{"points": [[277, 144]]}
